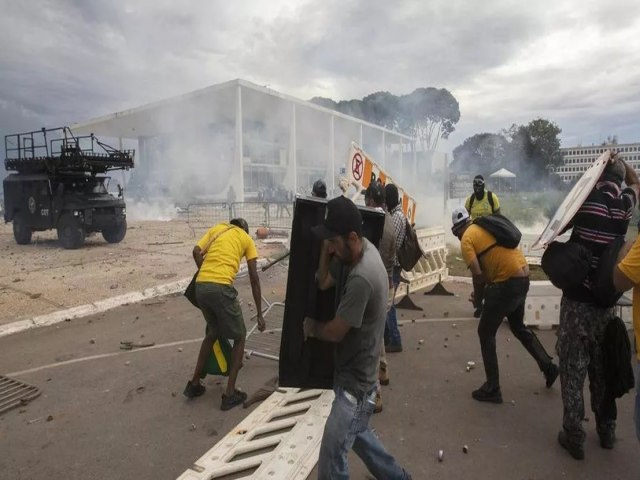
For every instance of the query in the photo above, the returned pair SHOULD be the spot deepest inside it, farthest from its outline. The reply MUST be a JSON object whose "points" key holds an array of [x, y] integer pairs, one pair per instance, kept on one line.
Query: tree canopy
{"points": [[529, 150], [426, 113]]}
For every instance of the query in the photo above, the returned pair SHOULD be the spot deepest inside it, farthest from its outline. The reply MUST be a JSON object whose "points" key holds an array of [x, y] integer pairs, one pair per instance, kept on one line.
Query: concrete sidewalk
{"points": [[117, 414]]}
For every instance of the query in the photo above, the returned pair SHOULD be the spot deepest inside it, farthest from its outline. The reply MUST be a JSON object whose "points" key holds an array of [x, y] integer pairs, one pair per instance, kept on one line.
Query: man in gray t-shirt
{"points": [[357, 329]]}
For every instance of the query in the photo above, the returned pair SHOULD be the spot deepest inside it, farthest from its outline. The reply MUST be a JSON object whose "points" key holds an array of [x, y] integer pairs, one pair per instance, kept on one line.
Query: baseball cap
{"points": [[319, 189], [459, 218], [342, 217], [375, 191]]}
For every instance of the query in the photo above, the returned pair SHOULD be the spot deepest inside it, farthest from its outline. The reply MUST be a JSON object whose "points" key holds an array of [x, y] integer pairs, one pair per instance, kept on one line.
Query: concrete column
{"points": [[384, 151], [361, 137], [401, 172], [239, 156], [293, 148], [332, 141]]}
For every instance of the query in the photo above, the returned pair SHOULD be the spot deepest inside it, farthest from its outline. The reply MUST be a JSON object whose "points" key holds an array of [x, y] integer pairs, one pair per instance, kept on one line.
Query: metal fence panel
{"points": [[205, 215], [264, 214]]}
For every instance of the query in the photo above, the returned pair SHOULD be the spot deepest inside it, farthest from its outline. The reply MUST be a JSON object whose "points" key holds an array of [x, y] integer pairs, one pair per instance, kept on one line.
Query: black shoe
{"points": [[551, 374], [393, 348], [576, 450], [477, 313], [230, 401], [192, 391], [484, 394], [607, 439]]}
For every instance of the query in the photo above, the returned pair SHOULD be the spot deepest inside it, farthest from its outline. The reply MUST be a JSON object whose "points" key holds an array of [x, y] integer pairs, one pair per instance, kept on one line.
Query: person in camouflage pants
{"points": [[580, 336]]}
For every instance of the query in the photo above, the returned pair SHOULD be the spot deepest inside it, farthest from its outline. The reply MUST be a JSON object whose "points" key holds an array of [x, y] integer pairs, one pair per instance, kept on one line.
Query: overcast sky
{"points": [[576, 63]]}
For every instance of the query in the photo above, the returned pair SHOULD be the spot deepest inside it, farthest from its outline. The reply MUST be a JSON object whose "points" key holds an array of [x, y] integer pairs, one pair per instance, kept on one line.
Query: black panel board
{"points": [[310, 364]]}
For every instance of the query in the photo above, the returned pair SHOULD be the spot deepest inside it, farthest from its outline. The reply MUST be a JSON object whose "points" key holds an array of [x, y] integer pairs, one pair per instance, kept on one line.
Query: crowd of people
{"points": [[365, 327]]}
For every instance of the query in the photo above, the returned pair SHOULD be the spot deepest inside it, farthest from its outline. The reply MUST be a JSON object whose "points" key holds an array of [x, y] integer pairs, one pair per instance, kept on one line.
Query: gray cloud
{"points": [[506, 62]]}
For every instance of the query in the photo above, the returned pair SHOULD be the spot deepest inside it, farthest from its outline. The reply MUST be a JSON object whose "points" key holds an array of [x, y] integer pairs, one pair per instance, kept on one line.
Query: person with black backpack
{"points": [[500, 275], [481, 202]]}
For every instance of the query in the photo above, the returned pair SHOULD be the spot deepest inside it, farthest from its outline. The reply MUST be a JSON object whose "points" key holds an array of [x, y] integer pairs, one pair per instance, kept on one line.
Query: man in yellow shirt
{"points": [[481, 202], [625, 276], [505, 273], [217, 255]]}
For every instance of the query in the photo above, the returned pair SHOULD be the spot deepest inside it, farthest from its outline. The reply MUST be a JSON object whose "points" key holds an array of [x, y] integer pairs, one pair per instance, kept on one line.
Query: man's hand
{"points": [[309, 328], [261, 323]]}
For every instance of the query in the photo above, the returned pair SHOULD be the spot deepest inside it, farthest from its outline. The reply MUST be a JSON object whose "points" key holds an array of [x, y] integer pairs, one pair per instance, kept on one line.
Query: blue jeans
{"points": [[637, 412], [348, 427], [391, 332]]}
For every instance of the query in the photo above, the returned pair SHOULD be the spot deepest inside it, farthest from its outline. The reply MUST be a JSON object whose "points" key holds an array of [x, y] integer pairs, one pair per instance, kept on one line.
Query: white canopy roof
{"points": [[503, 173]]}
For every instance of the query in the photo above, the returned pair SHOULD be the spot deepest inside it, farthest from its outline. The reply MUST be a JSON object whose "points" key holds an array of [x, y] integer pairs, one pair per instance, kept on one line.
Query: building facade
{"points": [[578, 159]]}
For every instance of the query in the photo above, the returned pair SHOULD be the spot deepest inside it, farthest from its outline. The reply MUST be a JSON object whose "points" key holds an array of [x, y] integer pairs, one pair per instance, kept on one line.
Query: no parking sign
{"points": [[362, 170]]}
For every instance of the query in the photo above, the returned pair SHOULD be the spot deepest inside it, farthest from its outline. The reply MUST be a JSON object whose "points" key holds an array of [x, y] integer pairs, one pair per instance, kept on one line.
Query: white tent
{"points": [[503, 173], [505, 180]]}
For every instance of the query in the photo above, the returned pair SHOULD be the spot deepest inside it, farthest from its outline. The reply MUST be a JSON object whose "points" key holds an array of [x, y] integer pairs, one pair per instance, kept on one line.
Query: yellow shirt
{"points": [[630, 266], [482, 207], [222, 260], [499, 263]]}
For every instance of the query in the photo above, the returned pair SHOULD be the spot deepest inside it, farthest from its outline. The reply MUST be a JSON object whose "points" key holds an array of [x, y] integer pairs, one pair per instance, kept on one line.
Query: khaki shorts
{"points": [[221, 309]]}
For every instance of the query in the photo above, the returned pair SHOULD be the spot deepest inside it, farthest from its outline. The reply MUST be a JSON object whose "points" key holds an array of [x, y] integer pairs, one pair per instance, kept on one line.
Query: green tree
{"points": [[429, 114], [538, 145], [482, 153]]}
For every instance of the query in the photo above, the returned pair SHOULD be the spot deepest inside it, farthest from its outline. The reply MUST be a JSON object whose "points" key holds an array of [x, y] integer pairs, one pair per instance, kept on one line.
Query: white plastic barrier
{"points": [[280, 440], [432, 267]]}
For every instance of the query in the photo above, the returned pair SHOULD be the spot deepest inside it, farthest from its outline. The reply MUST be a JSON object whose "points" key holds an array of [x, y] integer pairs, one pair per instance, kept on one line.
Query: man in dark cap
{"points": [[319, 189], [481, 202], [357, 329], [393, 340], [603, 217]]}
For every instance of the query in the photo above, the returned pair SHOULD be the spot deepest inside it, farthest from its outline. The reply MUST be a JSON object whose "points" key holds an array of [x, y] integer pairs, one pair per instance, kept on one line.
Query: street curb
{"points": [[101, 306], [93, 308]]}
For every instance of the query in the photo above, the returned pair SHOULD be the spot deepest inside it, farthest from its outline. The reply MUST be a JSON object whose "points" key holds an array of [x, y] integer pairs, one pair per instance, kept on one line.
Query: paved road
{"points": [[123, 416]]}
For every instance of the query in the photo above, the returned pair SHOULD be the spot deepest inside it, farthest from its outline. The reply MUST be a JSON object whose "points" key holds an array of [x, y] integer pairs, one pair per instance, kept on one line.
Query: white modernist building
{"points": [[578, 159], [245, 136]]}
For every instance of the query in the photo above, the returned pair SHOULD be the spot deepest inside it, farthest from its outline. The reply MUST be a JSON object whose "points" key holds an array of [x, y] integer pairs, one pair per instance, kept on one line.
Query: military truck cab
{"points": [[64, 189]]}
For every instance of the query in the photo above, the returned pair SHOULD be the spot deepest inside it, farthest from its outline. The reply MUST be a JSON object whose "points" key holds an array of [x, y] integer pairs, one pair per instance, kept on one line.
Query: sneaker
{"points": [[235, 399], [192, 391], [551, 374], [576, 450], [607, 439], [477, 313], [393, 348], [484, 394], [383, 375]]}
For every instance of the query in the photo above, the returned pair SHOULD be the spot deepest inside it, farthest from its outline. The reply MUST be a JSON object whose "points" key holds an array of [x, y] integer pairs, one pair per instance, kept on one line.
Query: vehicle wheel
{"points": [[21, 232], [115, 234], [70, 232]]}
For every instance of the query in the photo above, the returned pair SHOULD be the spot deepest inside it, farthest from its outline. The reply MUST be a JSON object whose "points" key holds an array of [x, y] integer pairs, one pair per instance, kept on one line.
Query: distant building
{"points": [[578, 159]]}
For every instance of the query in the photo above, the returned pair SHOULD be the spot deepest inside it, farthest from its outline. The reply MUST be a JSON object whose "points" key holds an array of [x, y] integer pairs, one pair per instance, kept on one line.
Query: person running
{"points": [[506, 274]]}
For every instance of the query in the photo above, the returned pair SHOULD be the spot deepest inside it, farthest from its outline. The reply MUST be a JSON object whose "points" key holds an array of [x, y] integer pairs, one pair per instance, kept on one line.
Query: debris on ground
{"points": [[130, 345], [440, 455], [465, 449]]}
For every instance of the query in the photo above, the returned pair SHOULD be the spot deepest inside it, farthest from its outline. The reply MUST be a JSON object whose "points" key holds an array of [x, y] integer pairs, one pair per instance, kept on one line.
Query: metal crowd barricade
{"points": [[201, 216], [278, 215]]}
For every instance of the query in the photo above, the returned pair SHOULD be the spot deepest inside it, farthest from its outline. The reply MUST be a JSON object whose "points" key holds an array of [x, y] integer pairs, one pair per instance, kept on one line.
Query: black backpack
{"points": [[566, 264], [506, 233], [409, 252], [489, 197]]}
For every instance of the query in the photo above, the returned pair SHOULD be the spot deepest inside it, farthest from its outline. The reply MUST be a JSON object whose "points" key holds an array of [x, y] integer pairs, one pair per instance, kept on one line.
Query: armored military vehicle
{"points": [[60, 181]]}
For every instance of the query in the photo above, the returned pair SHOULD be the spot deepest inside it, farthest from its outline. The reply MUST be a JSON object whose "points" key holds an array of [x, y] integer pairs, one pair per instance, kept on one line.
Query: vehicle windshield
{"points": [[86, 184]]}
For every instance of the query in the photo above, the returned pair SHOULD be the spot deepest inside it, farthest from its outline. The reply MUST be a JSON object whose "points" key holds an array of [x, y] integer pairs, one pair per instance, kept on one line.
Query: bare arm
{"points": [[621, 281], [197, 256], [333, 331], [325, 279], [252, 266]]}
